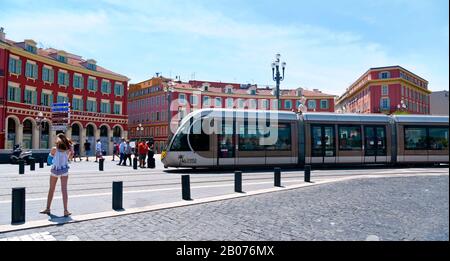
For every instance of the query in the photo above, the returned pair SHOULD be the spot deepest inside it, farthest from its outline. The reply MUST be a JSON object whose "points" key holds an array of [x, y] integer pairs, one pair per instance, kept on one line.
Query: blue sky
{"points": [[327, 44]]}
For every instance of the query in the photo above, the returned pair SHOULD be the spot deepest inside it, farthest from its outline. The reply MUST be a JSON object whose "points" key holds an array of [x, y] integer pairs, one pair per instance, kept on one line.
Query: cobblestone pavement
{"points": [[411, 208]]}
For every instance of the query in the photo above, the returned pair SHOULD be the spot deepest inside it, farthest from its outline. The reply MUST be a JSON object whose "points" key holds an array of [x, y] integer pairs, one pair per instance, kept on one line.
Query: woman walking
{"points": [[60, 169]]}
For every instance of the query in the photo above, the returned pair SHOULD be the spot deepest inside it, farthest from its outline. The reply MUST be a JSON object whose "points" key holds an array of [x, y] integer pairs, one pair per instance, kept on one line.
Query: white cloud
{"points": [[128, 37]]}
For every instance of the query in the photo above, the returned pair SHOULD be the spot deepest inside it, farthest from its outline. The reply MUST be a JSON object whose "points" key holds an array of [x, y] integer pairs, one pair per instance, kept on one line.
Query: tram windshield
{"points": [[191, 136]]}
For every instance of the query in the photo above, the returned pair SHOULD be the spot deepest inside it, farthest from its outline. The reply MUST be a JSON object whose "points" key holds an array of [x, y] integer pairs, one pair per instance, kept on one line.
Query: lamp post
{"points": [[277, 76], [169, 90], [139, 130], [39, 120]]}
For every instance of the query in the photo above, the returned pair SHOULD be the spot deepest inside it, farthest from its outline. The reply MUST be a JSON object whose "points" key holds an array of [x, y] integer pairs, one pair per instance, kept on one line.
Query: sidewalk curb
{"points": [[108, 214]]}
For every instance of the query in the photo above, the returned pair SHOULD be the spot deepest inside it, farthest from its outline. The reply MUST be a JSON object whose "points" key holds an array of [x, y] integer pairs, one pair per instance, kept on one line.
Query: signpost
{"points": [[60, 116]]}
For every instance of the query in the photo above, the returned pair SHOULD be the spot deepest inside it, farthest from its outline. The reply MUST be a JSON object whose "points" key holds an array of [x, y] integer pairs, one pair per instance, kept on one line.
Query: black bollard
{"points": [[117, 195], [185, 187], [101, 164], [238, 181], [135, 163], [150, 162], [277, 177], [18, 205], [41, 163], [32, 164], [21, 167], [307, 173]]}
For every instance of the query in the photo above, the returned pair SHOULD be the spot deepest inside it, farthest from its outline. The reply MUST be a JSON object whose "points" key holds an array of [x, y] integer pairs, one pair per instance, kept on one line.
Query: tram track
{"points": [[194, 182]]}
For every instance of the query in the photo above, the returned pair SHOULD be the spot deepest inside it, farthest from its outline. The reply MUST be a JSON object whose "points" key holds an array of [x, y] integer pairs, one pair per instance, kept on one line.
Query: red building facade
{"points": [[386, 90], [148, 103], [32, 79]]}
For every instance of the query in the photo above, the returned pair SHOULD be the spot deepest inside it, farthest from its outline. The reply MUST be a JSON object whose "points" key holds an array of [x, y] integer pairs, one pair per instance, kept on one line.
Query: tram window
{"points": [[249, 139], [438, 138], [284, 141], [415, 138], [198, 141], [350, 138]]}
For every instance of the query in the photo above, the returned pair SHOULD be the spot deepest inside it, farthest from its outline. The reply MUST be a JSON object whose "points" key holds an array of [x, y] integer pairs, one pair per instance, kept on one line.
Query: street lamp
{"points": [[39, 120], [169, 89], [139, 130], [277, 76]]}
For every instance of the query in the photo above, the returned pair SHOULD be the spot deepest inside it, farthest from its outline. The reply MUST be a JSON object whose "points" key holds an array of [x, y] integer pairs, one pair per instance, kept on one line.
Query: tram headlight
{"points": [[163, 154]]}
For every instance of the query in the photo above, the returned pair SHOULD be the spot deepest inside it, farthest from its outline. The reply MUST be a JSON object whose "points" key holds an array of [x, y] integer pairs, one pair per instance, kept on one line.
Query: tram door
{"points": [[323, 148], [375, 144], [226, 143]]}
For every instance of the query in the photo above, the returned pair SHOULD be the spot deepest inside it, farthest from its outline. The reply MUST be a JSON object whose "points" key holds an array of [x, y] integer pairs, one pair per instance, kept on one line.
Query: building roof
{"points": [[243, 89], [72, 59]]}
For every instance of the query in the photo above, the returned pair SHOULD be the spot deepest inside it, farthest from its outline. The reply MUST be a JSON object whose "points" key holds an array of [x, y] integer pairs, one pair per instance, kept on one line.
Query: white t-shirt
{"points": [[98, 147]]}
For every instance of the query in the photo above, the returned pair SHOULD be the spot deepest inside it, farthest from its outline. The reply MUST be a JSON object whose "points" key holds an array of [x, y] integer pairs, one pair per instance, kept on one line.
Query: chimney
{"points": [[2, 34], [317, 90]]}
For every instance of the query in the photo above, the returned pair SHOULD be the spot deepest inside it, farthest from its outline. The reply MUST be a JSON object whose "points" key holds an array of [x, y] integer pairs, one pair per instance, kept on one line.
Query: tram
{"points": [[225, 138]]}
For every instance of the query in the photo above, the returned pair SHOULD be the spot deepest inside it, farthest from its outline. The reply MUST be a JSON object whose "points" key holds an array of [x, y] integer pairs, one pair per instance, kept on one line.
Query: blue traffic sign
{"points": [[61, 109], [61, 104]]}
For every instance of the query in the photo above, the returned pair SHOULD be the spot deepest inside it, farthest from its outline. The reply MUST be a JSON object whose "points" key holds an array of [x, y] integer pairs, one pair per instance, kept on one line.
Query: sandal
{"points": [[45, 211], [67, 213]]}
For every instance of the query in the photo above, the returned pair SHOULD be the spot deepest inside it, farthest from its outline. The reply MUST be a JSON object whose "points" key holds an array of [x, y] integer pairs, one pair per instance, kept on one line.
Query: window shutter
{"points": [[34, 97], [66, 79], [10, 90], [11, 65], [52, 75], [17, 96], [81, 105], [27, 70], [42, 99], [81, 83], [19, 67], [35, 71]]}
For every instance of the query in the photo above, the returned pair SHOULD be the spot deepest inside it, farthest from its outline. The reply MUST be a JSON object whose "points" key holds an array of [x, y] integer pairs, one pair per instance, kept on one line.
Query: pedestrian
{"points": [[128, 153], [98, 151], [122, 147], [76, 151], [87, 149], [115, 150], [60, 169], [150, 155], [142, 151]]}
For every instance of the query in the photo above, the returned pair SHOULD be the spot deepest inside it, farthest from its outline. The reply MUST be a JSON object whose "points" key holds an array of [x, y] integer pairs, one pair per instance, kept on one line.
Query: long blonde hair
{"points": [[63, 143]]}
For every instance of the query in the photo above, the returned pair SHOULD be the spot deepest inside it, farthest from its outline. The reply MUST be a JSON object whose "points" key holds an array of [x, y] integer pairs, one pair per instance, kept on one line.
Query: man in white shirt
{"points": [[98, 150]]}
